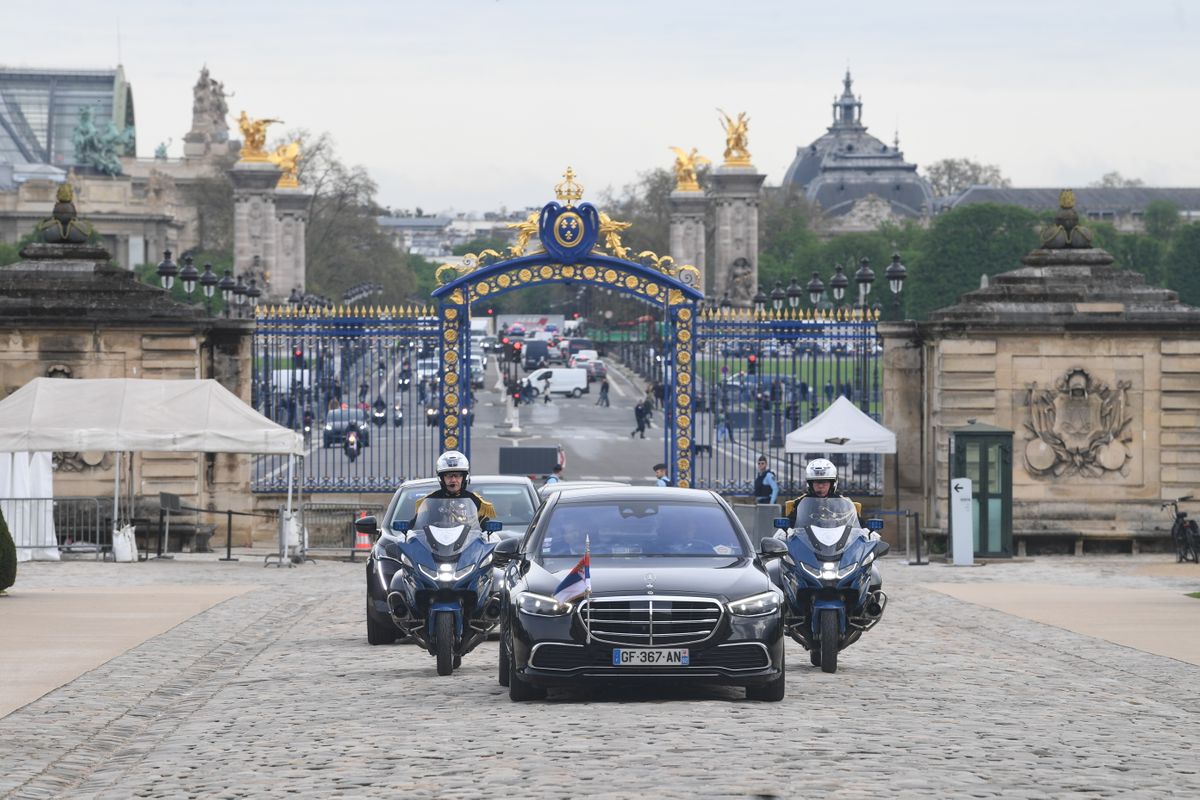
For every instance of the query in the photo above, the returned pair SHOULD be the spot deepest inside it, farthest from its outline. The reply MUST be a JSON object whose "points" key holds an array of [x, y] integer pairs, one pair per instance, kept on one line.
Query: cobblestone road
{"points": [[276, 691]]}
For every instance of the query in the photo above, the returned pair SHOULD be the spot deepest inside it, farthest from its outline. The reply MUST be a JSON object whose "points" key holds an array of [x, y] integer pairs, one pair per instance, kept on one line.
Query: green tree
{"points": [[1181, 267], [1161, 218], [787, 239], [954, 175], [962, 245], [8, 557], [1134, 251]]}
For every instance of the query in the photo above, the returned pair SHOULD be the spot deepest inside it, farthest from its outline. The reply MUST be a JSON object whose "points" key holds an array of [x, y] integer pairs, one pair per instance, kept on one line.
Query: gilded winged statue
{"points": [[735, 138], [254, 132], [287, 158], [685, 169]]}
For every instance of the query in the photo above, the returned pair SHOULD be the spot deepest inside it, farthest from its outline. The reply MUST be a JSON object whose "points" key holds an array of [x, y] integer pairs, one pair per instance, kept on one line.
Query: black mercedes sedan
{"points": [[637, 583]]}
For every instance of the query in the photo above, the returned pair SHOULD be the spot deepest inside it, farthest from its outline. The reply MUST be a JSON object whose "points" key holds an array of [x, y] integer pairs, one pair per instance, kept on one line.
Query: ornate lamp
{"points": [[167, 270], [838, 283], [896, 273], [253, 293], [760, 300], [208, 283], [239, 292], [778, 296], [725, 301], [794, 293], [816, 289], [226, 285], [188, 276], [865, 276], [295, 298]]}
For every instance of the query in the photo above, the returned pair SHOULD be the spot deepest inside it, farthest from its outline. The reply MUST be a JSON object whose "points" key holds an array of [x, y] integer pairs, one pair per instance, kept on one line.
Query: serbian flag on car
{"points": [[578, 581]]}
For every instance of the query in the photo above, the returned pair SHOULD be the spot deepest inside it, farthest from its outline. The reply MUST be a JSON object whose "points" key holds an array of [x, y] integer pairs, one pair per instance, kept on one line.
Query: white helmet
{"points": [[453, 461], [821, 469]]}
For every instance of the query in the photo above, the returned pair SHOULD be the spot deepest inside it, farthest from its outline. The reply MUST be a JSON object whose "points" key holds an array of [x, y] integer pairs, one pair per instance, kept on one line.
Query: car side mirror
{"points": [[770, 548], [874, 524], [366, 525], [506, 551], [782, 523], [400, 525], [493, 525]]}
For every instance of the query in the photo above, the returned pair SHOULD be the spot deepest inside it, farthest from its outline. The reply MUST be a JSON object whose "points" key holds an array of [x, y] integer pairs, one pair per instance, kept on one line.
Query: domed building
{"points": [[857, 180]]}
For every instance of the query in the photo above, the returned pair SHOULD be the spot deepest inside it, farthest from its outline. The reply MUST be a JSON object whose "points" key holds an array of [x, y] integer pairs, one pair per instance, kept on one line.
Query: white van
{"points": [[562, 380]]}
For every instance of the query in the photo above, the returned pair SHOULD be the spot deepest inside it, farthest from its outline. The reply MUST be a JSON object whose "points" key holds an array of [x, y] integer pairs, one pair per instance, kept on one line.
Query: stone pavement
{"points": [[274, 691]]}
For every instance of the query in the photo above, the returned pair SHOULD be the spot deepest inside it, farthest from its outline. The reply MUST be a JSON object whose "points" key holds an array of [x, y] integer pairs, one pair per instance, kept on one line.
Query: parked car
{"points": [[341, 421], [679, 594], [514, 497]]}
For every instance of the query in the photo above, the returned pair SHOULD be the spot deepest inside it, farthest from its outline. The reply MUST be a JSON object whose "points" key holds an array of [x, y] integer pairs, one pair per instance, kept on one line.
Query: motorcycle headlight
{"points": [[486, 562], [539, 605], [844, 571], [813, 571], [756, 605], [328, 426]]}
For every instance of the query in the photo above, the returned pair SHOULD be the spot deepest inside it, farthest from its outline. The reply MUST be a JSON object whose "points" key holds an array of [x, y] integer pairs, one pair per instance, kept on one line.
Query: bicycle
{"points": [[1185, 533]]}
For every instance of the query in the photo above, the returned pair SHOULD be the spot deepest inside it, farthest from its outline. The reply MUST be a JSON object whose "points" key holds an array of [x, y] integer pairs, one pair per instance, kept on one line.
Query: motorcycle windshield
{"points": [[826, 519], [448, 523]]}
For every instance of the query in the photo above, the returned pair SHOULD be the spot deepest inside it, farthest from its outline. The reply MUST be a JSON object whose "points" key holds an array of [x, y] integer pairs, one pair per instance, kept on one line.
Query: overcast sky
{"points": [[475, 104]]}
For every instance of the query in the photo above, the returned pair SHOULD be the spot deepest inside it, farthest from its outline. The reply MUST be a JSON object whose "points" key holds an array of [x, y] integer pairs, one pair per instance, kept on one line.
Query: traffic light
{"points": [[751, 364], [490, 311], [516, 352], [298, 357]]}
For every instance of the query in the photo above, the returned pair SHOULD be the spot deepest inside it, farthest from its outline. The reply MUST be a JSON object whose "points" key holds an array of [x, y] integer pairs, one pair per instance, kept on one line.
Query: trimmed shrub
{"points": [[8, 557]]}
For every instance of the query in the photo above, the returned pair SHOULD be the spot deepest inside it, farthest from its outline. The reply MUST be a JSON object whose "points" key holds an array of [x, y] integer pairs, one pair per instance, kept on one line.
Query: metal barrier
{"points": [[330, 526], [72, 524]]}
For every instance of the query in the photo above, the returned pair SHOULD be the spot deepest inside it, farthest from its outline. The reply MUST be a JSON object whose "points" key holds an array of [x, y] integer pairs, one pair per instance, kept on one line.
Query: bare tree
{"points": [[1114, 180], [952, 176]]}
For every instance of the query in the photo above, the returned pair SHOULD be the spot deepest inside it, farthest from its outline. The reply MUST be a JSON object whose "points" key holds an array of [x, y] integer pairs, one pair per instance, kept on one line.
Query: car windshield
{"points": [[825, 512], [621, 528]]}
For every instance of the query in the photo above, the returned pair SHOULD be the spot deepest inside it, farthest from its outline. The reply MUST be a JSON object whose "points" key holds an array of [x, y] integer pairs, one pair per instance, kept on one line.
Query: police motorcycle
{"points": [[397, 415], [379, 413], [404, 382], [352, 445], [826, 576], [443, 594]]}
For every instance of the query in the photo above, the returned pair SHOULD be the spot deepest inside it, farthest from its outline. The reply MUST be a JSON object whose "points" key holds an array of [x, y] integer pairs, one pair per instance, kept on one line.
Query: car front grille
{"points": [[651, 621]]}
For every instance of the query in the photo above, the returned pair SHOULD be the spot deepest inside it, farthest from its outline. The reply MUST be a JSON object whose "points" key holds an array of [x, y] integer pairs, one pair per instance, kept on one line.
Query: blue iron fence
{"points": [[758, 377], [372, 370]]}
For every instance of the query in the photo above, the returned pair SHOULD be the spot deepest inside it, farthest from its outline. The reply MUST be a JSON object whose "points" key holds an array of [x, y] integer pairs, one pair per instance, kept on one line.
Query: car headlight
{"points": [[328, 426], [756, 605], [539, 605]]}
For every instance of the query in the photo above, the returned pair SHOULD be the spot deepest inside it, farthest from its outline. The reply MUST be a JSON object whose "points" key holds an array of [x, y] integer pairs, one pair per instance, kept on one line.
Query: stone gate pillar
{"points": [[254, 220], [687, 232], [735, 192], [291, 216]]}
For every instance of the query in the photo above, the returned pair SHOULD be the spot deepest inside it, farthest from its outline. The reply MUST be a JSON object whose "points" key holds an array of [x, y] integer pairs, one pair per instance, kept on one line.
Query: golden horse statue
{"points": [[685, 169], [735, 138], [254, 132]]}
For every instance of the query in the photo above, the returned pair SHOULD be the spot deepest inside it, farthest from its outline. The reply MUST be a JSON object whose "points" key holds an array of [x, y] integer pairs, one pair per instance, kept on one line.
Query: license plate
{"points": [[628, 657]]}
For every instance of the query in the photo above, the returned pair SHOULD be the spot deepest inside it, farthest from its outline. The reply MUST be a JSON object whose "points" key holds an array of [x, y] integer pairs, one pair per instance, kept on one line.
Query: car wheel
{"points": [[829, 639], [577, 392], [771, 692], [379, 631], [519, 689]]}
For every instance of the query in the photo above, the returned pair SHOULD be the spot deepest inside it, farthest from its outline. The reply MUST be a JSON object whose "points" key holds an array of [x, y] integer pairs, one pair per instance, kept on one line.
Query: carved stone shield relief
{"points": [[1080, 427]]}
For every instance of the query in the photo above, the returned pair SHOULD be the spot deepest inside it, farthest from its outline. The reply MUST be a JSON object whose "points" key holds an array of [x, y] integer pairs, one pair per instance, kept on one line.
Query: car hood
{"points": [[718, 576]]}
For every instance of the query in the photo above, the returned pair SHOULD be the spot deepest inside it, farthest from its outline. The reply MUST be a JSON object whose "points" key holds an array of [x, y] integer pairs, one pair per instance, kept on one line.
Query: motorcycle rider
{"points": [[454, 471], [821, 476], [352, 445]]}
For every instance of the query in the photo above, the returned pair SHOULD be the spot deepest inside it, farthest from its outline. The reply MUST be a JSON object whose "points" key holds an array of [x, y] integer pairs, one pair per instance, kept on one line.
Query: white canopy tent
{"points": [[131, 415], [844, 428]]}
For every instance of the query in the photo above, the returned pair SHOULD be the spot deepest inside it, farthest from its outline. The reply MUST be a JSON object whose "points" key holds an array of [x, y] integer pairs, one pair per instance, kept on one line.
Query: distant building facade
{"points": [[1123, 206]]}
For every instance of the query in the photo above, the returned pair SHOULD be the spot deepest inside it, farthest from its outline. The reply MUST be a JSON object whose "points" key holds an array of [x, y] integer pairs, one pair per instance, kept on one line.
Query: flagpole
{"points": [[587, 554]]}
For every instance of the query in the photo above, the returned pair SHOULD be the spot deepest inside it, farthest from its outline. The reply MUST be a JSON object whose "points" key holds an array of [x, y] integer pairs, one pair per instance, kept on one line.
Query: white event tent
{"points": [[131, 415], [842, 428]]}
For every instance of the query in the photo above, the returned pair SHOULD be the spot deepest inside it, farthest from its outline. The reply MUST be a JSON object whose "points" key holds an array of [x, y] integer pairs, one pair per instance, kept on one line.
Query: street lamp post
{"points": [[167, 270], [188, 276], [227, 285], [208, 285], [760, 300], [838, 283], [865, 276], [239, 294], [778, 296], [794, 294], [896, 273]]}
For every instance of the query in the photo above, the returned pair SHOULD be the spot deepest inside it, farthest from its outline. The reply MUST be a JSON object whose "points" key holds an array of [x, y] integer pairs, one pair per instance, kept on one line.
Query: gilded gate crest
{"points": [[1081, 427]]}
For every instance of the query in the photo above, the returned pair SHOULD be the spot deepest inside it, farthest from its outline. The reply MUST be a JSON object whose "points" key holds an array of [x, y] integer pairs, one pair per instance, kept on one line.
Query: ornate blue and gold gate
{"points": [[581, 245]]}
